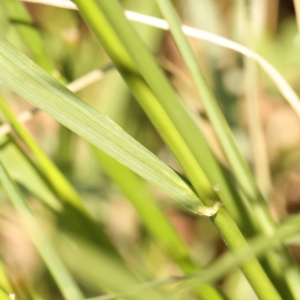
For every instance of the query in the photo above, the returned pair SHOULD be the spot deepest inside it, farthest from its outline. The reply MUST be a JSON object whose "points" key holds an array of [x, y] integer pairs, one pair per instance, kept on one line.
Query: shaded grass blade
{"points": [[24, 173], [57, 180], [226, 262], [20, 18], [101, 270], [153, 218], [61, 276]]}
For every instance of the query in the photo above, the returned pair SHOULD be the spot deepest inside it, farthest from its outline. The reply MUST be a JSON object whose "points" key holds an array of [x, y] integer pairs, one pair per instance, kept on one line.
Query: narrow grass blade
{"points": [[241, 170], [23, 172], [113, 30], [153, 218], [20, 18], [131, 58], [226, 262], [57, 180], [237, 163], [66, 284], [288, 93], [72, 215]]}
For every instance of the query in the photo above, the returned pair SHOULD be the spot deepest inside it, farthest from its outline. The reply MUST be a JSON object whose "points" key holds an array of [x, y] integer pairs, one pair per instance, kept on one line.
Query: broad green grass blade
{"points": [[71, 216], [240, 168], [60, 274], [47, 94]]}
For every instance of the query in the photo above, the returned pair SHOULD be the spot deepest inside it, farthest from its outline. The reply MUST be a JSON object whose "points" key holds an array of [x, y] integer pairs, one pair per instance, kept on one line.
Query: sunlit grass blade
{"points": [[236, 161], [240, 168], [24, 136], [60, 274], [131, 58]]}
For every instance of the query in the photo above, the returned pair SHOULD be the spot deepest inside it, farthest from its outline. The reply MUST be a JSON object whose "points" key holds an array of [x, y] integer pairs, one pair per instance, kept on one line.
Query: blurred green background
{"points": [[75, 51]]}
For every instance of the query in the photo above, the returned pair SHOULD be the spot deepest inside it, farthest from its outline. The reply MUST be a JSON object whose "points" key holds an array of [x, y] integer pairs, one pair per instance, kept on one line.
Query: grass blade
{"points": [[241, 170], [57, 180], [47, 94], [286, 90], [133, 61], [20, 18], [66, 284]]}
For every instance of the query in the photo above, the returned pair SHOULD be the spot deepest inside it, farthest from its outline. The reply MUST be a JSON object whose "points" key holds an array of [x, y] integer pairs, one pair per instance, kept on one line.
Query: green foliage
{"points": [[86, 188]]}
